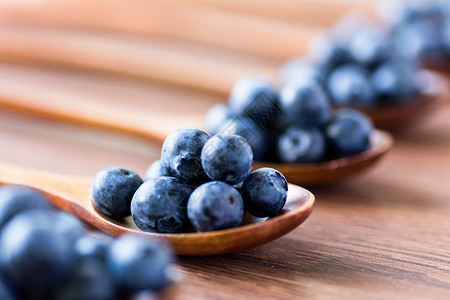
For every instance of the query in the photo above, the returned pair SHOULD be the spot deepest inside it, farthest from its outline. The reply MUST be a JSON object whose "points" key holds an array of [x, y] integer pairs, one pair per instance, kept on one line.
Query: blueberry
{"points": [[113, 189], [348, 132], [304, 103], [350, 85], [139, 263], [256, 98], [5, 292], [369, 46], [15, 199], [156, 170], [215, 205], [35, 254], [89, 281], [69, 226], [418, 38], [93, 245], [160, 205], [264, 192], [180, 154], [297, 145], [327, 52], [227, 158], [252, 133], [300, 69], [216, 116], [395, 80]]}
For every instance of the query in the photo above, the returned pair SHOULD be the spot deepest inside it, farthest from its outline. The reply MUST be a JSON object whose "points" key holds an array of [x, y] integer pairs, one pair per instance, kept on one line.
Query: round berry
{"points": [[304, 103], [216, 116], [227, 158], [112, 191], [160, 205], [348, 132], [156, 170], [215, 205], [300, 69], [264, 192], [16, 199], [180, 154], [350, 85], [93, 245], [252, 133], [297, 145], [138, 264]]}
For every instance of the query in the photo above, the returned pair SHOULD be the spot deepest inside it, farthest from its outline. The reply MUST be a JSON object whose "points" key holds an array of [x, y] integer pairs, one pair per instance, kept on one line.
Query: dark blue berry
{"points": [[227, 158], [180, 154], [35, 253], [90, 280], [264, 192], [255, 98], [15, 199], [138, 264], [300, 69], [395, 80], [215, 118], [215, 205], [156, 170], [160, 205], [350, 85], [446, 36], [112, 191], [348, 132], [93, 245], [252, 133], [369, 46], [304, 103], [327, 52], [297, 145]]}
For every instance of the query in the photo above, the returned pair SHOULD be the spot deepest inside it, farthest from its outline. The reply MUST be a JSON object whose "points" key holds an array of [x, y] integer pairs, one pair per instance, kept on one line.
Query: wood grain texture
{"points": [[383, 235]]}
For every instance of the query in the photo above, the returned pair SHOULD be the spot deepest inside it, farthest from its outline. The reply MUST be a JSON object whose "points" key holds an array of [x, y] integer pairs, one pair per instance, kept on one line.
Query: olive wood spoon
{"points": [[73, 194]]}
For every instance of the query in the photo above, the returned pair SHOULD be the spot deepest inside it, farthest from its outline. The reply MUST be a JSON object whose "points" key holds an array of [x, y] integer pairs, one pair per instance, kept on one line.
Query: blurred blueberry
{"points": [[215, 205], [369, 46], [69, 226], [348, 132], [446, 36], [15, 199], [297, 145], [215, 117], [300, 69], [264, 192], [327, 52], [155, 170], [180, 154], [93, 245], [395, 80], [304, 103], [112, 190], [35, 254], [252, 133], [90, 280], [255, 98], [350, 85], [160, 205], [138, 263], [227, 158], [418, 38]]}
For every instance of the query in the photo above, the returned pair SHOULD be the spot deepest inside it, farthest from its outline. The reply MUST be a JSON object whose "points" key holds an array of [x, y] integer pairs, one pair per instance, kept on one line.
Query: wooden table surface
{"points": [[383, 235]]}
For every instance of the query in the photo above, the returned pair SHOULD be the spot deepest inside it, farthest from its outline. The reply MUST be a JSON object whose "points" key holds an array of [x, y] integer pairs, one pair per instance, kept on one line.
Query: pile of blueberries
{"points": [[47, 254], [201, 181], [296, 125]]}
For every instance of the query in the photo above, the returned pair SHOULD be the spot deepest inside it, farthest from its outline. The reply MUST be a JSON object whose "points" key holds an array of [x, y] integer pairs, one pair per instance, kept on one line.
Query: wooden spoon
{"points": [[73, 194]]}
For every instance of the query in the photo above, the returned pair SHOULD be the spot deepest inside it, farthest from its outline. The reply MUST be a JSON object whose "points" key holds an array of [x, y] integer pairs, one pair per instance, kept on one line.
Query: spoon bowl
{"points": [[73, 194], [336, 169]]}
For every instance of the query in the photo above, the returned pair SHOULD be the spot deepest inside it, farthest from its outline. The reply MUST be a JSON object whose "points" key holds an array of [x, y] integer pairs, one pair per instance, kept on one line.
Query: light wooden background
{"points": [[383, 235]]}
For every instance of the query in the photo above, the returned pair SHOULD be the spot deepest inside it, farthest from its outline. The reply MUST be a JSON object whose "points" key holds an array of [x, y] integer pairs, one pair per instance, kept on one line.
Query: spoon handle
{"points": [[75, 189]]}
